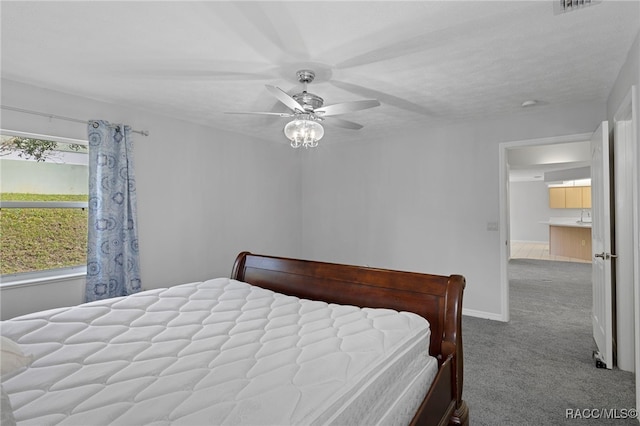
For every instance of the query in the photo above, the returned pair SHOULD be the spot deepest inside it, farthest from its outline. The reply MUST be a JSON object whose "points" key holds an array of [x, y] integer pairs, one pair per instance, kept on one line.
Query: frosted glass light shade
{"points": [[302, 132]]}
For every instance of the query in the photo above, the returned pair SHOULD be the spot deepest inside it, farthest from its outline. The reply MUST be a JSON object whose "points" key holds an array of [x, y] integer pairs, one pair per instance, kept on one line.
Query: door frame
{"points": [[629, 111], [504, 224]]}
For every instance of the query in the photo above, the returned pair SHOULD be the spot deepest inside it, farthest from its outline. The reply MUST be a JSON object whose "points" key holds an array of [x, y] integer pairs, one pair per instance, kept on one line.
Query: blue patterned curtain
{"points": [[112, 253]]}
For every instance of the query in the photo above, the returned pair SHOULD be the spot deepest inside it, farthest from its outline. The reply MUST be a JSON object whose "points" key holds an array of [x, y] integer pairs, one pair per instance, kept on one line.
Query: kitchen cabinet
{"points": [[556, 198], [570, 241], [570, 197], [573, 197], [586, 197]]}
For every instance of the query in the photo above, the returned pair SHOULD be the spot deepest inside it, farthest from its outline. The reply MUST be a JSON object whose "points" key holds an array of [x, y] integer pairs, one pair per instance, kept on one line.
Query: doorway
{"points": [[625, 128], [514, 156], [627, 193]]}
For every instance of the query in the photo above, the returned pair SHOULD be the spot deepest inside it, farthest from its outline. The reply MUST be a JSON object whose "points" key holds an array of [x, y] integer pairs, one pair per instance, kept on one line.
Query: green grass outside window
{"points": [[40, 239]]}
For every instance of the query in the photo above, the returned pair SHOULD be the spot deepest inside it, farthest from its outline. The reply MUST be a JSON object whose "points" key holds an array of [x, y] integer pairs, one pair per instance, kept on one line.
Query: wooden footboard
{"points": [[434, 297]]}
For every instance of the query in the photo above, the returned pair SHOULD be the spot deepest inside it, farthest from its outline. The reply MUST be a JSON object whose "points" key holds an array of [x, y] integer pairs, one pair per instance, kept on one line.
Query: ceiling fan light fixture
{"points": [[308, 111], [304, 132], [562, 6]]}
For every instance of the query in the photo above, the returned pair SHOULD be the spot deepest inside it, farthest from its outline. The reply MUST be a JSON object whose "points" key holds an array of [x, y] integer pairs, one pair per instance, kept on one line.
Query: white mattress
{"points": [[219, 352]]}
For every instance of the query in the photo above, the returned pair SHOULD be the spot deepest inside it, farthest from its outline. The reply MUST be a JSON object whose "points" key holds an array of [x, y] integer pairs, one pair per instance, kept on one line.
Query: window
{"points": [[43, 205]]}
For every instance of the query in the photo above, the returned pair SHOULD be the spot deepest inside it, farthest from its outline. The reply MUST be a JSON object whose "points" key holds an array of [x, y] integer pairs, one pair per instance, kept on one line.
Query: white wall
{"points": [[528, 206], [20, 300], [423, 201], [203, 195]]}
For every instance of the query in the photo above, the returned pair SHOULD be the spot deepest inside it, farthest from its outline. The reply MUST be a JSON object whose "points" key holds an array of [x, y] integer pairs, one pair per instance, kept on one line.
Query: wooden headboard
{"points": [[434, 297]]}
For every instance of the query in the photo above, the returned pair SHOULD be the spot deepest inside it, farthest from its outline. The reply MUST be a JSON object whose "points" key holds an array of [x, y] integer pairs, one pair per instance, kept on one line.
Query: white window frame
{"points": [[46, 275]]}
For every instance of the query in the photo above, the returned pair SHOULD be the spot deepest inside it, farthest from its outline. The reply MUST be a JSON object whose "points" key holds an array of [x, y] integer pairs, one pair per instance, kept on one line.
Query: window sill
{"points": [[42, 277]]}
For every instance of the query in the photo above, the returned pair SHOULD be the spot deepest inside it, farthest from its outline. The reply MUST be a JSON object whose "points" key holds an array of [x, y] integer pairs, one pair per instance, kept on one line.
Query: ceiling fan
{"points": [[307, 111]]}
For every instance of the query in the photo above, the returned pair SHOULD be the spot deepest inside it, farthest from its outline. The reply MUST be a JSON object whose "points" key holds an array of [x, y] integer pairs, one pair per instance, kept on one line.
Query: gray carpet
{"points": [[531, 370]]}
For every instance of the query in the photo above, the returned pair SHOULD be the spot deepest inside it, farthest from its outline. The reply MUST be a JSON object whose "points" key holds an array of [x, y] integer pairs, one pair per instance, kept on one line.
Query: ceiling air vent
{"points": [[562, 6]]}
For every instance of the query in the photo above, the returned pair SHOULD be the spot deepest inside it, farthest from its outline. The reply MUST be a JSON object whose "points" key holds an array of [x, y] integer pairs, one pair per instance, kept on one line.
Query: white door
{"points": [[602, 312]]}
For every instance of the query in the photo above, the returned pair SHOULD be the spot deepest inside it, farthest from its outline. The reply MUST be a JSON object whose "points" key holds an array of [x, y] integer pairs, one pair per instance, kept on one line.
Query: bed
{"points": [[282, 341]]}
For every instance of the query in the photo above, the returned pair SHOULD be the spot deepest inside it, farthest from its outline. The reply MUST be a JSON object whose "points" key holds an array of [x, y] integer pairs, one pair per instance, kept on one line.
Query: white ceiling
{"points": [[424, 60], [530, 163]]}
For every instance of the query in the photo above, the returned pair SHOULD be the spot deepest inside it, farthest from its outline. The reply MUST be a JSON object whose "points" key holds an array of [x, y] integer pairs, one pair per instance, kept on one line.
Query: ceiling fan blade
{"points": [[339, 122], [276, 25], [191, 75], [279, 114], [283, 97], [384, 97], [199, 70], [482, 22], [345, 107], [270, 30]]}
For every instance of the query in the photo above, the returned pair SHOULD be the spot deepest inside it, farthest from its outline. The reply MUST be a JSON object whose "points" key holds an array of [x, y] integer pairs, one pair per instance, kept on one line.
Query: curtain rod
{"points": [[59, 117]]}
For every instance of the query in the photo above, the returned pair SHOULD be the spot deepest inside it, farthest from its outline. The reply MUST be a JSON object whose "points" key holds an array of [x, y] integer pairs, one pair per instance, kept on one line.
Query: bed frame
{"points": [[436, 298]]}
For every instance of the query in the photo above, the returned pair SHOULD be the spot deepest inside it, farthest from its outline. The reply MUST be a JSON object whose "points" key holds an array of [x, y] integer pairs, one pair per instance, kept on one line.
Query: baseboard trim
{"points": [[482, 314]]}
